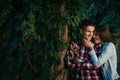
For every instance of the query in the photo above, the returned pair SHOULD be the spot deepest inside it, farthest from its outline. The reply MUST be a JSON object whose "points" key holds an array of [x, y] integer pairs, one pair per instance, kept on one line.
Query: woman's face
{"points": [[97, 39]]}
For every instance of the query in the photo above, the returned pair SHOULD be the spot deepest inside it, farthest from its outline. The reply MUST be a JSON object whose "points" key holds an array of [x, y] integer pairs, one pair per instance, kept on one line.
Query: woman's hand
{"points": [[88, 44]]}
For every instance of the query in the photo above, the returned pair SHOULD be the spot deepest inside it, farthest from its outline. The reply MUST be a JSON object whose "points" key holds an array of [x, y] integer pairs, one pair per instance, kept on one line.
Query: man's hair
{"points": [[103, 33], [86, 22]]}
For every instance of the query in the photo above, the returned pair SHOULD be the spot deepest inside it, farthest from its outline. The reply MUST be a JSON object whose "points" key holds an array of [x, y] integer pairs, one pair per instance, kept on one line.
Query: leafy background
{"points": [[31, 33]]}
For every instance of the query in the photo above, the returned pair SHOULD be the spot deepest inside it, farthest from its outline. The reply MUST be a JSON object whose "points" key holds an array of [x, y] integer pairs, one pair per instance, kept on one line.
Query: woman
{"points": [[107, 58]]}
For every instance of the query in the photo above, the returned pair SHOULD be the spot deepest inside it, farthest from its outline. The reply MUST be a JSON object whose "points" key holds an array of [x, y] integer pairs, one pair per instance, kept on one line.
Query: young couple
{"points": [[94, 56]]}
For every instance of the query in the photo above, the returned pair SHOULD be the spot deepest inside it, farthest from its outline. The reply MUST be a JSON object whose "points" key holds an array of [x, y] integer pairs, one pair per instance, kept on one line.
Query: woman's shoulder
{"points": [[108, 44]]}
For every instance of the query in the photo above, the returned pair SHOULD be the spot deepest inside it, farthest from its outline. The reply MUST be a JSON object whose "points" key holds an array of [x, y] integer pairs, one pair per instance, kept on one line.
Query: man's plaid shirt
{"points": [[84, 69]]}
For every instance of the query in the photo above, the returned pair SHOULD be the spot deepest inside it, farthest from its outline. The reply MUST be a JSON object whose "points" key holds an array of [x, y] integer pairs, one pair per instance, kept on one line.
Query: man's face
{"points": [[88, 32]]}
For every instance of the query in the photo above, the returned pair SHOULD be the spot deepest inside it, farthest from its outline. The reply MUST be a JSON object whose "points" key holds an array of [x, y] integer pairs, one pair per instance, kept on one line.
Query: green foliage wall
{"points": [[31, 30]]}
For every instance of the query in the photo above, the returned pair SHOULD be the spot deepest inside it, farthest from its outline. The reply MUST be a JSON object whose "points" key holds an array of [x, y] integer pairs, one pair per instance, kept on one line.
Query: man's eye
{"points": [[88, 31]]}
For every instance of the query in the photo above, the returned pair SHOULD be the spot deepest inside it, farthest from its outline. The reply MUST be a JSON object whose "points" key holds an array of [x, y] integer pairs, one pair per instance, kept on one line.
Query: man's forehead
{"points": [[89, 27]]}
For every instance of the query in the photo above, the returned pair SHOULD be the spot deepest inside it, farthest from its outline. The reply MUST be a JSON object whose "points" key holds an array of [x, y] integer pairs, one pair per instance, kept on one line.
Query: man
{"points": [[79, 63]]}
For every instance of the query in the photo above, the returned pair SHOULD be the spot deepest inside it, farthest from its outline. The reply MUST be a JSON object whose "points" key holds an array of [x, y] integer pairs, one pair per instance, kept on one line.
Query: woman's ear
{"points": [[81, 31]]}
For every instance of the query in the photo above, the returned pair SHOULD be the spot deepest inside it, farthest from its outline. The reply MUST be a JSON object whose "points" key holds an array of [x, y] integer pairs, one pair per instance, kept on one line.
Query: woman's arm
{"points": [[107, 52]]}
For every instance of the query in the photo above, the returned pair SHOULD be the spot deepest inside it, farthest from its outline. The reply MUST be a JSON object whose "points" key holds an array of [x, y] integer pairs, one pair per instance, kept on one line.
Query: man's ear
{"points": [[81, 31]]}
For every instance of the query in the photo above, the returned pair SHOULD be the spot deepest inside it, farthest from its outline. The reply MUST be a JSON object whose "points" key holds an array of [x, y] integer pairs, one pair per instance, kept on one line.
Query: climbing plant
{"points": [[31, 32]]}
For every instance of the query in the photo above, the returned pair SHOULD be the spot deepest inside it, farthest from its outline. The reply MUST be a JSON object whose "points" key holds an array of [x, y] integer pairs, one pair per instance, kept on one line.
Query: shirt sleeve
{"points": [[71, 55], [106, 53]]}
